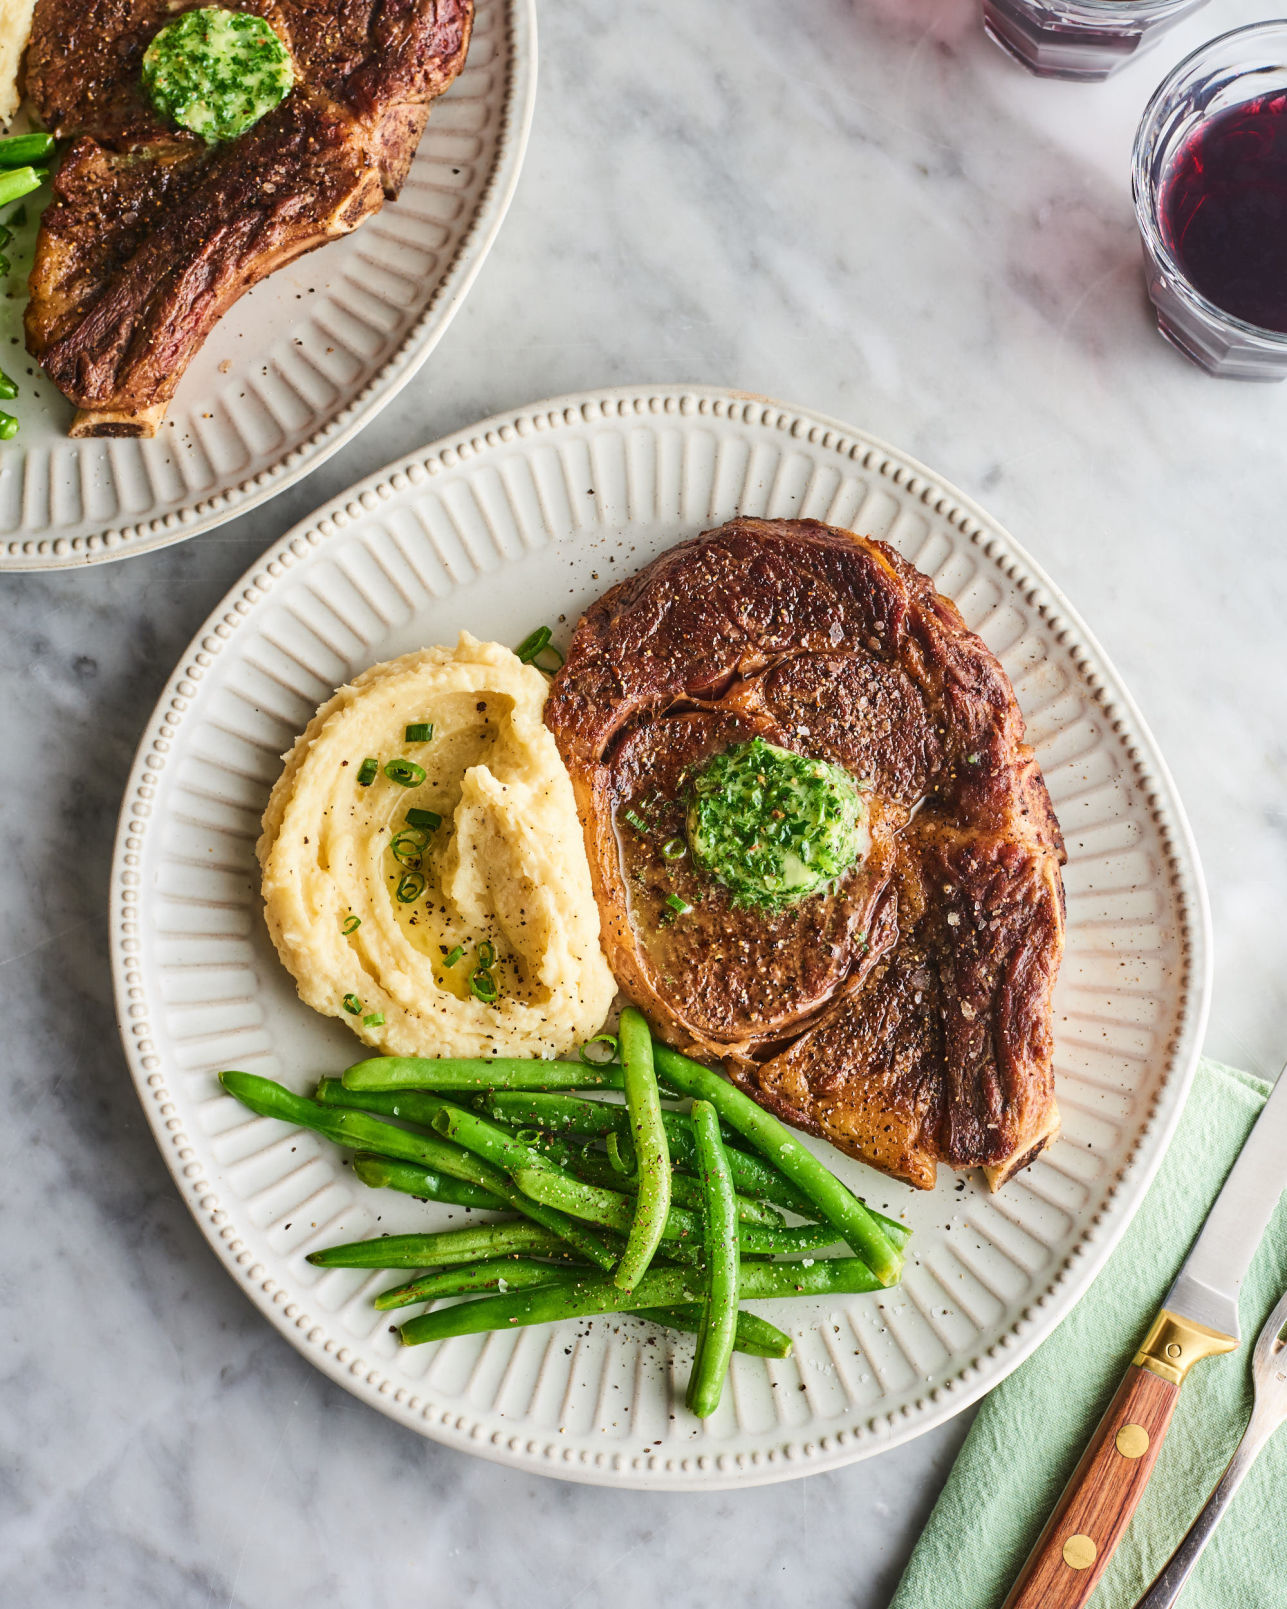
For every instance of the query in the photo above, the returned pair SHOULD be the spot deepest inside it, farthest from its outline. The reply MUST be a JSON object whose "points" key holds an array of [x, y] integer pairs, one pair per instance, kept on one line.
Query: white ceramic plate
{"points": [[300, 364], [521, 521]]}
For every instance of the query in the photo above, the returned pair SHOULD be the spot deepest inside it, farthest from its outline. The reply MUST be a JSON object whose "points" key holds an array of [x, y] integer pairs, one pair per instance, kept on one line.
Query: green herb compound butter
{"points": [[774, 826], [216, 72]]}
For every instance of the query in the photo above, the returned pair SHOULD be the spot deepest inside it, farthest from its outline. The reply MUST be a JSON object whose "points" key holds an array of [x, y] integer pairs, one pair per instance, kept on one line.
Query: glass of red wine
{"points": [[1085, 39], [1210, 182]]}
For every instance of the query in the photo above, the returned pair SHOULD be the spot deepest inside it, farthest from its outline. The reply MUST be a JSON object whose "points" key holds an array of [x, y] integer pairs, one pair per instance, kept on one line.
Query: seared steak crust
{"points": [[152, 235], [903, 1013]]}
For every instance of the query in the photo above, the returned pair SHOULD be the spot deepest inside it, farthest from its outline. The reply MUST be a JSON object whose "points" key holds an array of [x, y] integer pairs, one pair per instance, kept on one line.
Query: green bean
{"points": [[687, 1191], [411, 1105], [833, 1200], [752, 1334], [8, 387], [16, 182], [495, 1273], [357, 1131], [20, 150], [610, 1208], [563, 1114], [643, 1100], [719, 1232], [659, 1287], [423, 1183], [501, 1148], [479, 1074], [759, 1241], [895, 1231], [445, 1247], [360, 1132], [8, 426]]}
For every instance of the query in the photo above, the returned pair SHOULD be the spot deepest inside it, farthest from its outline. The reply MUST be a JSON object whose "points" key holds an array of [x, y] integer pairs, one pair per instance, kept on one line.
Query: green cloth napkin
{"points": [[1032, 1429]]}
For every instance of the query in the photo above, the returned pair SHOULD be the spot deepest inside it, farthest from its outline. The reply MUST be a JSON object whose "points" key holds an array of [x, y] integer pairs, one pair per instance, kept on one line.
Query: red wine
{"points": [[1224, 210]]}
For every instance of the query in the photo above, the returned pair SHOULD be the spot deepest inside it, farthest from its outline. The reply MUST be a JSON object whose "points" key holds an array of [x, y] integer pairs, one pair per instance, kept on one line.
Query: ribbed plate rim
{"points": [[209, 512], [1069, 1282]]}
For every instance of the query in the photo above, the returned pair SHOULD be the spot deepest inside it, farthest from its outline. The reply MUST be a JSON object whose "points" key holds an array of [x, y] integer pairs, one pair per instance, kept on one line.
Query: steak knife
{"points": [[1199, 1319]]}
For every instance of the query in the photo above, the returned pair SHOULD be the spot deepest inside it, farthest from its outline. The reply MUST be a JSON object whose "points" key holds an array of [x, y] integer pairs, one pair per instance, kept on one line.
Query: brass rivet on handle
{"points": [[1173, 1351], [1132, 1441], [1079, 1552]]}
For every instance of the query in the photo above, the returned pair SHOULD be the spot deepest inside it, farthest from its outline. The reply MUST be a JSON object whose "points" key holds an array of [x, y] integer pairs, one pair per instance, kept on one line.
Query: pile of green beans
{"points": [[622, 1205]]}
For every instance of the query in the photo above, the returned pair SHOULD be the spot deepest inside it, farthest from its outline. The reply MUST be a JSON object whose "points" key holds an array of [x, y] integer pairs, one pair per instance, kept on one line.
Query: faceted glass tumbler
{"points": [[1080, 39], [1237, 67]]}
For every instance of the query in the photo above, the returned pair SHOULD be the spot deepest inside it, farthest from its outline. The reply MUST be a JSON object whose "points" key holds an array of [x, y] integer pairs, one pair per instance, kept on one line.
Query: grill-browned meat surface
{"points": [[905, 1011], [152, 235]]}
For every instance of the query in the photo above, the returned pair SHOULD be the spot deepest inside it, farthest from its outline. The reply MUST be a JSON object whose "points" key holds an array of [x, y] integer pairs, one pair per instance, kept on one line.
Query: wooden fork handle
{"points": [[1077, 1543]]}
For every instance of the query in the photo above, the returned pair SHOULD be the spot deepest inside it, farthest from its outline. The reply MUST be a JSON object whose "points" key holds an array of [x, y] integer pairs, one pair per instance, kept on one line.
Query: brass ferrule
{"points": [[1174, 1344]]}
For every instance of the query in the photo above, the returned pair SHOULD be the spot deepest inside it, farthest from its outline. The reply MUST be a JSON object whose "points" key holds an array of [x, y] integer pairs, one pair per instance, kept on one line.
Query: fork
{"points": [[1268, 1410]]}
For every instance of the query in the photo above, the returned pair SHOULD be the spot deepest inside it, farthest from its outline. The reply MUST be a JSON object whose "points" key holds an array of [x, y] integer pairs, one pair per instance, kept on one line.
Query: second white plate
{"points": [[301, 363], [521, 521]]}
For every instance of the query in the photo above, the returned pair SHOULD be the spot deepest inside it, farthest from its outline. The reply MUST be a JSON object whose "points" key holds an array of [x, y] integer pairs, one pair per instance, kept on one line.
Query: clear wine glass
{"points": [[1244, 68], [1085, 39]]}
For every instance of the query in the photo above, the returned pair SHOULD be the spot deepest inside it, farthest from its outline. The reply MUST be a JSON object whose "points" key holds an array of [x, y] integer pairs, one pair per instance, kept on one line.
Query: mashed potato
{"points": [[15, 27], [369, 914]]}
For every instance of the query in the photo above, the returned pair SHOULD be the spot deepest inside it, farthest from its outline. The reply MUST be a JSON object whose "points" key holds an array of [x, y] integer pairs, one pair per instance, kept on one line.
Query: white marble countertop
{"points": [[857, 206]]}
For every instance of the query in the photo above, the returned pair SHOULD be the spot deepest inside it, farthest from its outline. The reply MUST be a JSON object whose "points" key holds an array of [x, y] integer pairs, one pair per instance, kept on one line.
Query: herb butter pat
{"points": [[217, 72], [774, 826]]}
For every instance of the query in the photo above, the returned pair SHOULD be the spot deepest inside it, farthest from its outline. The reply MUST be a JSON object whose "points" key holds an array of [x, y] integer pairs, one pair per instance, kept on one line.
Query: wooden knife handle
{"points": [[1077, 1543]]}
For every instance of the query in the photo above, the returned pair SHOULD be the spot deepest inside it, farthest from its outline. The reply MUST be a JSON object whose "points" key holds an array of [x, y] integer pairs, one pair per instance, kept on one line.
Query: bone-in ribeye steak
{"points": [[905, 1011], [152, 235]]}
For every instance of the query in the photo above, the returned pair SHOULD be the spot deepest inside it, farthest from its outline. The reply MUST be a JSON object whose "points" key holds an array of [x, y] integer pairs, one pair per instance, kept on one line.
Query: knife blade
{"points": [[1207, 1286], [1198, 1319]]}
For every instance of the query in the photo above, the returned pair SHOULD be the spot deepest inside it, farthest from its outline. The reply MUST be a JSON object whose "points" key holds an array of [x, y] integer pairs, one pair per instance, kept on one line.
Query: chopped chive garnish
{"points": [[406, 773], [674, 849], [373, 1019], [636, 821], [407, 845], [421, 732], [620, 1162], [483, 986], [611, 1047], [351, 924], [681, 907], [453, 955], [424, 818], [351, 1004], [367, 773], [486, 955], [530, 646], [410, 888]]}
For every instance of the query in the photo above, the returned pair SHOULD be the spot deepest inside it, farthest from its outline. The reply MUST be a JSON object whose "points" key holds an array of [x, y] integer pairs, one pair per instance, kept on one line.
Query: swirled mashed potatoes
{"points": [[505, 869]]}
